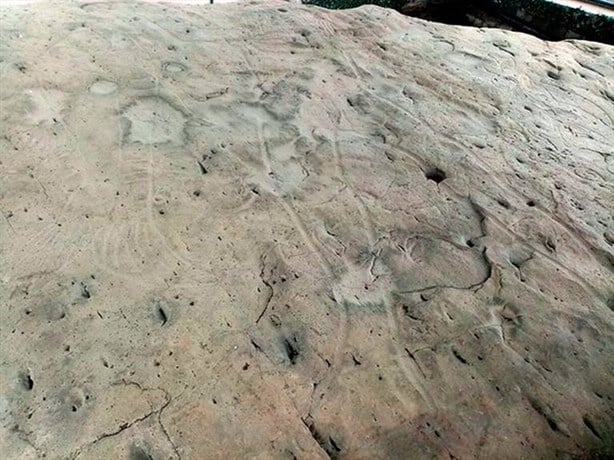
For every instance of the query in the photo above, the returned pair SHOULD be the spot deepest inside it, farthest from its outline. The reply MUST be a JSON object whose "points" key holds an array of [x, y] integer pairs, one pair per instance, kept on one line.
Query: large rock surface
{"points": [[273, 231]]}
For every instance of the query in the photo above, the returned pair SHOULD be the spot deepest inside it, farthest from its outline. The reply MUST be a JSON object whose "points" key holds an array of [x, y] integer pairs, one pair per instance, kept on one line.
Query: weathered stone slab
{"points": [[275, 231]]}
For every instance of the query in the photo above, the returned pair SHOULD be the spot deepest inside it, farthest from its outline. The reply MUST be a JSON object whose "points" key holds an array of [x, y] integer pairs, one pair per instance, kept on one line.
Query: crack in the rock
{"points": [[317, 437], [481, 216], [123, 427], [131, 383], [126, 425], [261, 350], [413, 358], [375, 256], [334, 236], [8, 223], [472, 287], [269, 287], [217, 93], [519, 263], [166, 433]]}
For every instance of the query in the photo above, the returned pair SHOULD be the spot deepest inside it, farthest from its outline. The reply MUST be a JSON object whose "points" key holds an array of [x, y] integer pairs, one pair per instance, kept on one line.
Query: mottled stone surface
{"points": [[274, 231]]}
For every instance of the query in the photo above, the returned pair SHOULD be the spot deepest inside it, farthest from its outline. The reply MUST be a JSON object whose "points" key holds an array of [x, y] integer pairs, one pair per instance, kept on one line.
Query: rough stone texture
{"points": [[274, 231]]}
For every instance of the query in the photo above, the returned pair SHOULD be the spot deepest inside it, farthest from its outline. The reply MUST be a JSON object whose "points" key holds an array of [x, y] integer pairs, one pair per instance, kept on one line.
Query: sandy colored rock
{"points": [[273, 231]]}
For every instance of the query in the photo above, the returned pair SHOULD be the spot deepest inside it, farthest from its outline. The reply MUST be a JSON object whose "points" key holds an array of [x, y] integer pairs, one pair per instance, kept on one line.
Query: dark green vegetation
{"points": [[542, 18]]}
